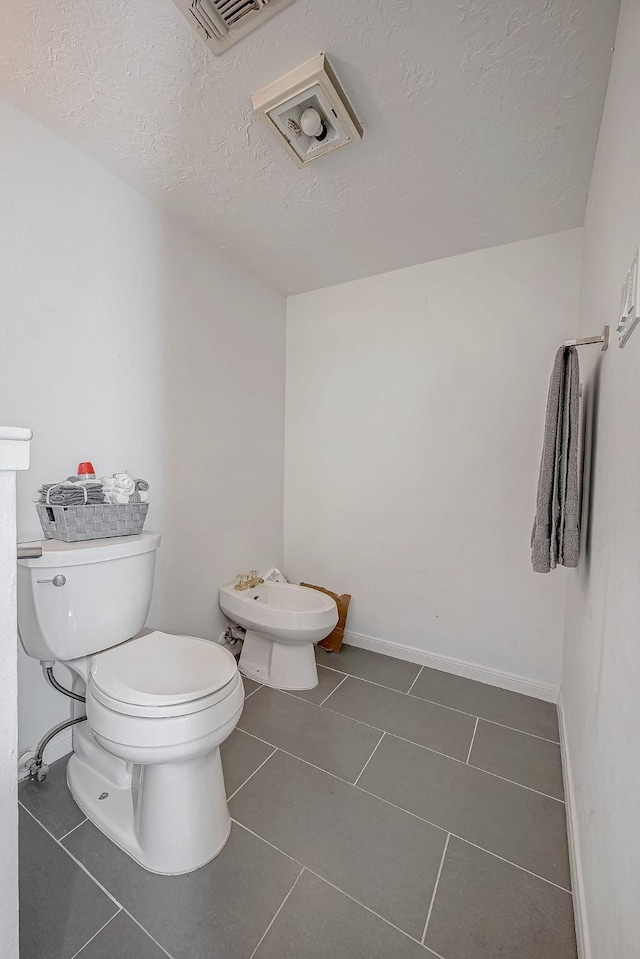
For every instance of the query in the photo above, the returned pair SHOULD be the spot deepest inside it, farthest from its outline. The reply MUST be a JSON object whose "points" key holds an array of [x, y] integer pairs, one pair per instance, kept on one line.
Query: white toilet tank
{"points": [[79, 598]]}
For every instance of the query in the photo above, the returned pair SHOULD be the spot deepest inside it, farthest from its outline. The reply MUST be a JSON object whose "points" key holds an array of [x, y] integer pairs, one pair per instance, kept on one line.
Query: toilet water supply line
{"points": [[38, 769], [48, 672]]}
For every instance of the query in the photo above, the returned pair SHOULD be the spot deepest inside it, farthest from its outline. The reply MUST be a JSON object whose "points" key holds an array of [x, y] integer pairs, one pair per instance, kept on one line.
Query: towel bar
{"points": [[588, 340]]}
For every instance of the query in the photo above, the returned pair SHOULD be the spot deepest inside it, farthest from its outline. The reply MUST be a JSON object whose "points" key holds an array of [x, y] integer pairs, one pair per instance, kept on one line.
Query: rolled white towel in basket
{"points": [[122, 488], [116, 498], [117, 486], [124, 483]]}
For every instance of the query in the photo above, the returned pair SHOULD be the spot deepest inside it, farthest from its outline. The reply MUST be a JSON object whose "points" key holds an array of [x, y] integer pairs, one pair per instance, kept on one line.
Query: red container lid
{"points": [[84, 468]]}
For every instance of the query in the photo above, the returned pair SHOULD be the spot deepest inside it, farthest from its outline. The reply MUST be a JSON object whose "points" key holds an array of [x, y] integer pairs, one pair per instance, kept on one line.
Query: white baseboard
{"points": [[58, 747], [483, 674], [575, 860]]}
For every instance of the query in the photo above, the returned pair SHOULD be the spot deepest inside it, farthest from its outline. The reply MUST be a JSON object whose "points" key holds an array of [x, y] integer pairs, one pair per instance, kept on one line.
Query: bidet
{"points": [[283, 622]]}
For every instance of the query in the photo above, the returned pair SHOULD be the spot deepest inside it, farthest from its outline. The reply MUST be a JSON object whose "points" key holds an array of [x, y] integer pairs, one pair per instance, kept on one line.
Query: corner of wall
{"points": [[573, 836]]}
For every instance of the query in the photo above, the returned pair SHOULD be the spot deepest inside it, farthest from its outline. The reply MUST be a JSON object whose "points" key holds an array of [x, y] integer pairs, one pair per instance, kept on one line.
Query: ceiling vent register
{"points": [[221, 23]]}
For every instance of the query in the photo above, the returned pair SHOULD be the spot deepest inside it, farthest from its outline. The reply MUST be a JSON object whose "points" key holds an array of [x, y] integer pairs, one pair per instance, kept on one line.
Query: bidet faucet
{"points": [[248, 580]]}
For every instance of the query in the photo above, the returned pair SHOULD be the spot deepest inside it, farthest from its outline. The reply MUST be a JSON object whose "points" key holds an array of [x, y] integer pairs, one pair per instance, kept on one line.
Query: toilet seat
{"points": [[162, 675]]}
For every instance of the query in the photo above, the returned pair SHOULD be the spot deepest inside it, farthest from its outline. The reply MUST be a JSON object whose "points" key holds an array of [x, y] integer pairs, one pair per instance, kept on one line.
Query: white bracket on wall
{"points": [[629, 315]]}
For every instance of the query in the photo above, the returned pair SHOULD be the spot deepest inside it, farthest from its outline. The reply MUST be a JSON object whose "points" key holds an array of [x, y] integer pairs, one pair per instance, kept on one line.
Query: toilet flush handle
{"points": [[58, 580]]}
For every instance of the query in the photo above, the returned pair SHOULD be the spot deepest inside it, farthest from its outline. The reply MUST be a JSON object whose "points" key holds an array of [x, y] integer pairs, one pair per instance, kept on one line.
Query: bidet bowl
{"points": [[287, 613]]}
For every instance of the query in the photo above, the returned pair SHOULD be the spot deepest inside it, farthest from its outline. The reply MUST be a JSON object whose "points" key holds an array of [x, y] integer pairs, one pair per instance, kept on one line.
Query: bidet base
{"points": [[281, 665], [171, 818]]}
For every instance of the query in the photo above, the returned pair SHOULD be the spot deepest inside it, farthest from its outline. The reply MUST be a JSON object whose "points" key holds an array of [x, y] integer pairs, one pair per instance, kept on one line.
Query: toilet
{"points": [[146, 766], [283, 622]]}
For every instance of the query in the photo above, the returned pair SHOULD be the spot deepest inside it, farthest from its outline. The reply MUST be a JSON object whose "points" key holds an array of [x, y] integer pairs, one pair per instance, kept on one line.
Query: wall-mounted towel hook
{"points": [[589, 340]]}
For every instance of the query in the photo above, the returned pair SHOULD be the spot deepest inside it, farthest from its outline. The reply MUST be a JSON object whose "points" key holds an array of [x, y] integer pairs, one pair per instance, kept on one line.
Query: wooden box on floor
{"points": [[333, 642]]}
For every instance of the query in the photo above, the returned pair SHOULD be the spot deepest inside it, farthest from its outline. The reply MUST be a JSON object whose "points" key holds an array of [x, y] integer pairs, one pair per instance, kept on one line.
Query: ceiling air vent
{"points": [[221, 23]]}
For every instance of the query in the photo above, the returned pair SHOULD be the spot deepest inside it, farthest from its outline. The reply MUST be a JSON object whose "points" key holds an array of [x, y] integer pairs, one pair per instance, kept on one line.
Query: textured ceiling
{"points": [[480, 118]]}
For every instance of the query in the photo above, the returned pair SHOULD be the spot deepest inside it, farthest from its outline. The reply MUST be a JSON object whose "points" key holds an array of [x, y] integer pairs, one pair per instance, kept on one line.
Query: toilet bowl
{"points": [[146, 766], [161, 706], [283, 622]]}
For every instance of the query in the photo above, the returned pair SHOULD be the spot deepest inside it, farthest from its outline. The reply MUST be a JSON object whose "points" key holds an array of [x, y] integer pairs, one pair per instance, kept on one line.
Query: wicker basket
{"points": [[74, 524]]}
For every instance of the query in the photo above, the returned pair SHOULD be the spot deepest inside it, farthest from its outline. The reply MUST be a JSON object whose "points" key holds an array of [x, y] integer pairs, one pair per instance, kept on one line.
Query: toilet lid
{"points": [[162, 670]]}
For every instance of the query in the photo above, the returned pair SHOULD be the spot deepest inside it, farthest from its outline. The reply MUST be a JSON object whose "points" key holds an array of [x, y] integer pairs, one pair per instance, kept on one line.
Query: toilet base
{"points": [[281, 665], [170, 818]]}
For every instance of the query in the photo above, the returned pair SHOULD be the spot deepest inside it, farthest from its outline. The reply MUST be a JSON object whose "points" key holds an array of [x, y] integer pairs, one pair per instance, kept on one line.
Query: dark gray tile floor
{"points": [[393, 812]]}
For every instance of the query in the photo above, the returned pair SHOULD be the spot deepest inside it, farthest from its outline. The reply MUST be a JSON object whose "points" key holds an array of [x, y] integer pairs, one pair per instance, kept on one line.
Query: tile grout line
{"points": [[249, 695], [146, 932], [274, 750], [435, 888], [72, 857], [333, 886], [247, 829], [473, 737], [433, 953], [516, 865], [468, 841], [402, 738], [430, 749], [494, 722], [121, 908], [81, 865], [103, 926], [523, 732], [368, 908], [369, 759], [514, 783], [278, 911], [268, 843], [407, 812], [393, 689], [333, 690], [495, 855], [411, 742], [408, 693], [453, 709], [69, 831], [305, 761]]}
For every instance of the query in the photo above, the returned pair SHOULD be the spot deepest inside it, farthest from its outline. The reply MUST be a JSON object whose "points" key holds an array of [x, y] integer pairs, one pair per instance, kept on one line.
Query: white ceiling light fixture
{"points": [[221, 23], [308, 111]]}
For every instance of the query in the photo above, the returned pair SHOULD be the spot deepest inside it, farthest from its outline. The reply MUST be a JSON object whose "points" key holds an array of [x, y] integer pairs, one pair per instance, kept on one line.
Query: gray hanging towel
{"points": [[556, 536]]}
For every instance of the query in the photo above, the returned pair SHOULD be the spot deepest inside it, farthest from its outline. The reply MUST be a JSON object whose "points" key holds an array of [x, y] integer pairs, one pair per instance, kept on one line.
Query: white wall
{"points": [[127, 340], [601, 670], [415, 407], [8, 720]]}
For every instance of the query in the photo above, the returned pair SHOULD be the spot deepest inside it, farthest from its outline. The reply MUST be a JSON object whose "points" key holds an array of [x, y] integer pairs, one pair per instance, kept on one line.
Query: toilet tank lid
{"points": [[56, 553]]}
